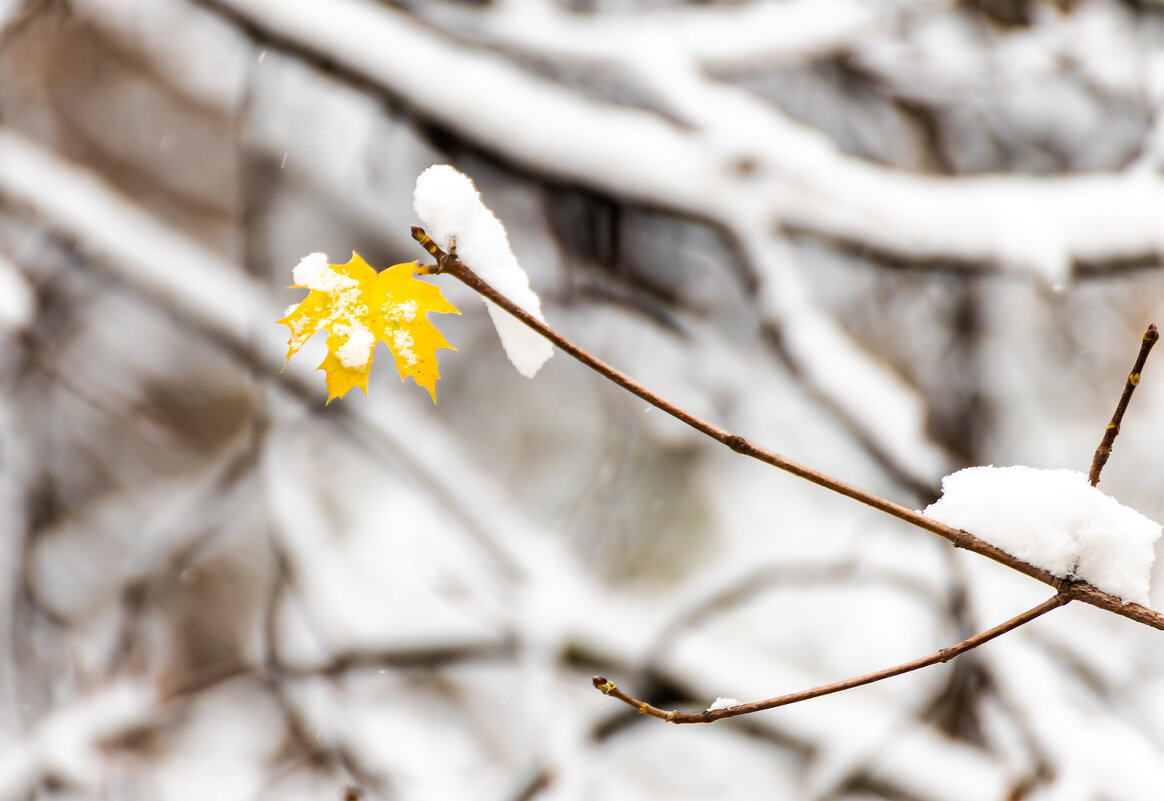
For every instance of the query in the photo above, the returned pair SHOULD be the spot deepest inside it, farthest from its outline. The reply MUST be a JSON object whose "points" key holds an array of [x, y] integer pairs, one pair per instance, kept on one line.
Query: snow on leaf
{"points": [[359, 307]]}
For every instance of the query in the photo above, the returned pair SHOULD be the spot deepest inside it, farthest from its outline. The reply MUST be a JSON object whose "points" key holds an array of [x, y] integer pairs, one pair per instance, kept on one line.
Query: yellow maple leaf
{"points": [[360, 307]]}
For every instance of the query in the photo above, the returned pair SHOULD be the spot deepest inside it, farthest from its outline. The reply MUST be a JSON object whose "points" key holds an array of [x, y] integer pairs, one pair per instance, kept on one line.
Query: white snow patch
{"points": [[17, 298], [723, 702], [450, 207], [355, 353], [314, 272], [310, 270], [67, 743], [401, 313], [1054, 519], [402, 345]]}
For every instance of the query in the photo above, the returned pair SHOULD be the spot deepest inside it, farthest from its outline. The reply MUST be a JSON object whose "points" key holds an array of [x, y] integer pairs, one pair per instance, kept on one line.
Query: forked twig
{"points": [[945, 655], [447, 263], [1113, 428]]}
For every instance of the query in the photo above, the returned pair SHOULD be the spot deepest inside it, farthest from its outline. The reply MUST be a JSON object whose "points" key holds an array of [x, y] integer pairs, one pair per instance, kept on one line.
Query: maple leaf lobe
{"points": [[360, 307]]}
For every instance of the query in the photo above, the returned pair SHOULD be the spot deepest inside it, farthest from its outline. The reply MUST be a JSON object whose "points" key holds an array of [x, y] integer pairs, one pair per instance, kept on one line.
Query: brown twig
{"points": [[945, 655], [447, 263], [1113, 428]]}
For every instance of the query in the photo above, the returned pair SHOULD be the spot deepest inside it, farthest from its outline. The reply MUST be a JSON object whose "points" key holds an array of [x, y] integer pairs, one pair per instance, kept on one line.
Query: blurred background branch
{"points": [[885, 239]]}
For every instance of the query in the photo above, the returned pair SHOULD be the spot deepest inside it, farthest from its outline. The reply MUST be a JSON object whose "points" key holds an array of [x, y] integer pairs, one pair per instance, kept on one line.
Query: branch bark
{"points": [[1113, 428], [449, 264], [608, 687]]}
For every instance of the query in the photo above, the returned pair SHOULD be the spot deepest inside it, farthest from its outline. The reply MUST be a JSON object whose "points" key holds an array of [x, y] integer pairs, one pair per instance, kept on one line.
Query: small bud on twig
{"points": [[1113, 428]]}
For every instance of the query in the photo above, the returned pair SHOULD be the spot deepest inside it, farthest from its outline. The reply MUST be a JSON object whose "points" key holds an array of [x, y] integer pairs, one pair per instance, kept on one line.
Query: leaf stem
{"points": [[448, 263]]}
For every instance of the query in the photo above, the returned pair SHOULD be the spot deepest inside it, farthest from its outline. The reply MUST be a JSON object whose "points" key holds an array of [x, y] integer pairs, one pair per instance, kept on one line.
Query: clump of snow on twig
{"points": [[723, 702], [450, 207], [1054, 519]]}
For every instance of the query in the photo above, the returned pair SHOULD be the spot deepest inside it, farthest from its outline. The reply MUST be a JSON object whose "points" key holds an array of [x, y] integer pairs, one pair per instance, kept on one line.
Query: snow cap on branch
{"points": [[450, 207], [1054, 519]]}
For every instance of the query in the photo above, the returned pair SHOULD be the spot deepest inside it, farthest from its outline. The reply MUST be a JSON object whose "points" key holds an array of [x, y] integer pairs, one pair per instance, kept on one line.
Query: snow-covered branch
{"points": [[66, 746], [844, 228], [795, 177]]}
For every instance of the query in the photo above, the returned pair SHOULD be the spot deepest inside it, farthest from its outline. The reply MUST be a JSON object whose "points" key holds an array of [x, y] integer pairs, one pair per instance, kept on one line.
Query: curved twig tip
{"points": [[1113, 428]]}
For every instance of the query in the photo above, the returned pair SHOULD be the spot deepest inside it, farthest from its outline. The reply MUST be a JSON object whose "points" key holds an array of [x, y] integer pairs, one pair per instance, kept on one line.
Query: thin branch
{"points": [[1080, 591], [945, 655], [1113, 428]]}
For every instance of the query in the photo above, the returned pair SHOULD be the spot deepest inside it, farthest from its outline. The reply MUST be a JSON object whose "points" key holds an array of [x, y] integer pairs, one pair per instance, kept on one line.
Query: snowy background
{"points": [[887, 239]]}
